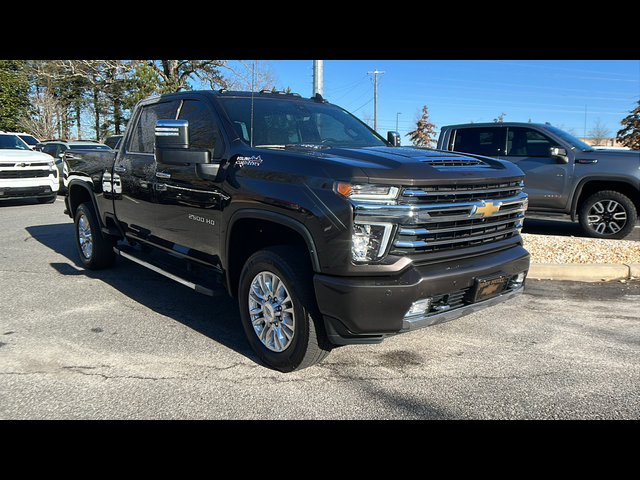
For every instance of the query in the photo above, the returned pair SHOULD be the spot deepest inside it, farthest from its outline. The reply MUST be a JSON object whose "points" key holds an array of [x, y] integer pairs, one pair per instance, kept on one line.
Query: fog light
{"points": [[419, 308], [517, 280]]}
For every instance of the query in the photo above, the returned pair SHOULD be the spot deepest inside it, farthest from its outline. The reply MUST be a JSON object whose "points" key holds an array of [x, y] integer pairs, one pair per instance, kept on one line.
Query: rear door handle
{"points": [[163, 175]]}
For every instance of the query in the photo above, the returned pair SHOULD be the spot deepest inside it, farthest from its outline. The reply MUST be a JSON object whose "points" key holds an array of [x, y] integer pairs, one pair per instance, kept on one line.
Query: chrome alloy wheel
{"points": [[607, 217], [85, 237], [272, 311]]}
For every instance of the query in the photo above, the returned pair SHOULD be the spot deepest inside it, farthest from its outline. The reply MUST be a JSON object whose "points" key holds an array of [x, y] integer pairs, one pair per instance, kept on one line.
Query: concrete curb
{"points": [[584, 272]]}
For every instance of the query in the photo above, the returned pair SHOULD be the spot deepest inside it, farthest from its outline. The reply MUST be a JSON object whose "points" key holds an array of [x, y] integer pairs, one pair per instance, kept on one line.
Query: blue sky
{"points": [[460, 91]]}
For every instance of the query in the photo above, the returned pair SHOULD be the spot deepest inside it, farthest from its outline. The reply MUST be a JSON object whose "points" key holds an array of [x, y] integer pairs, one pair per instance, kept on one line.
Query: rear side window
{"points": [[481, 141]]}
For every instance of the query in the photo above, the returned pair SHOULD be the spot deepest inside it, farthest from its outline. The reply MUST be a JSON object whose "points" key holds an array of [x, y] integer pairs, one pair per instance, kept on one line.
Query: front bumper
{"points": [[366, 310], [29, 188]]}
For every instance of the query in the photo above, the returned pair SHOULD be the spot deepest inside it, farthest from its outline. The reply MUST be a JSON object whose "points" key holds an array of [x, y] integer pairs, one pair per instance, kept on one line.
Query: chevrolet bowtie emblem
{"points": [[487, 209]]}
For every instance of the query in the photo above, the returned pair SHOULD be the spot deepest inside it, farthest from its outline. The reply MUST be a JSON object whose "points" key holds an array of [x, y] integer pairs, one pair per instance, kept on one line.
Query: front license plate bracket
{"points": [[489, 286]]}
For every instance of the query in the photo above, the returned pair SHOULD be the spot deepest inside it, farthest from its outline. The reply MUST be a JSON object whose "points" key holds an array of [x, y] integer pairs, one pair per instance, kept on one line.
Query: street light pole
{"points": [[375, 98]]}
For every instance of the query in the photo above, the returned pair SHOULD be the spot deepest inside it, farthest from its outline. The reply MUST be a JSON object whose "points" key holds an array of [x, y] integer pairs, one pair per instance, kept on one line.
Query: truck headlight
{"points": [[369, 241], [367, 193], [53, 170]]}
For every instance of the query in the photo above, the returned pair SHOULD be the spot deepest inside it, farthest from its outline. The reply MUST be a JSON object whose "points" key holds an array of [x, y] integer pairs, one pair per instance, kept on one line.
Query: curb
{"points": [[584, 272]]}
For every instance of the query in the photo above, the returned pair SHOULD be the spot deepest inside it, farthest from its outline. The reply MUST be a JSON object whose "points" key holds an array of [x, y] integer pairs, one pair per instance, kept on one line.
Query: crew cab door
{"points": [[188, 201], [547, 178], [134, 173]]}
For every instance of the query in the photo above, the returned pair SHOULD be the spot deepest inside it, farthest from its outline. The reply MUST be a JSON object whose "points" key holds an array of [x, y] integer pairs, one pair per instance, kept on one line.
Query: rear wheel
{"points": [[96, 251], [279, 312], [608, 214]]}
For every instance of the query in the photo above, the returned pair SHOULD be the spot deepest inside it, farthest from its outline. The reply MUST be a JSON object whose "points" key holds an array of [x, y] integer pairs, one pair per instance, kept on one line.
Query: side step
{"points": [[168, 271]]}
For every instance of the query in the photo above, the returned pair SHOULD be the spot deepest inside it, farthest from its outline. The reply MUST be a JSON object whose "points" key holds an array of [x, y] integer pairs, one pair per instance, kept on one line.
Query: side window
{"points": [[143, 135], [50, 149], [524, 141], [203, 128], [481, 141]]}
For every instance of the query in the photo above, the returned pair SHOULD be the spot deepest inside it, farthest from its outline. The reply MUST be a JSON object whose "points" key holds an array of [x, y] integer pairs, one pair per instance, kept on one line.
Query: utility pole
{"points": [[375, 98], [318, 81]]}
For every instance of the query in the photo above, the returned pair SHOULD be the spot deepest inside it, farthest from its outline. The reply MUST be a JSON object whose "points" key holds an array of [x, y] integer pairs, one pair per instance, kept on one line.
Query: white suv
{"points": [[25, 173]]}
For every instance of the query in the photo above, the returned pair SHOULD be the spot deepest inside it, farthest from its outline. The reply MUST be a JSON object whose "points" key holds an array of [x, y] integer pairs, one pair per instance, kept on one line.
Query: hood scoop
{"points": [[454, 162]]}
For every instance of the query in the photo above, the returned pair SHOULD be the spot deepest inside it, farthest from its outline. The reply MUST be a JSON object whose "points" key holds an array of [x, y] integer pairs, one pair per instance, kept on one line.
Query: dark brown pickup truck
{"points": [[327, 233]]}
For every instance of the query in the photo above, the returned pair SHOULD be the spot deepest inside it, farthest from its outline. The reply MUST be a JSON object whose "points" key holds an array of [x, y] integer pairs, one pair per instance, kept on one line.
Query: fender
{"points": [[599, 178], [75, 197], [274, 217]]}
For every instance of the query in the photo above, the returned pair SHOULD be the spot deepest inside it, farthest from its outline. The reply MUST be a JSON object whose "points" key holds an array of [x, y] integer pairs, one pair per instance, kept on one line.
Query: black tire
{"points": [[608, 214], [286, 329], [96, 251]]}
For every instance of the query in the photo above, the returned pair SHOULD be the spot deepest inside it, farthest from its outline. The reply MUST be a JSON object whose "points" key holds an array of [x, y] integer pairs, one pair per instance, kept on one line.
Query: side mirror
{"points": [[393, 138], [172, 134], [172, 144], [559, 153]]}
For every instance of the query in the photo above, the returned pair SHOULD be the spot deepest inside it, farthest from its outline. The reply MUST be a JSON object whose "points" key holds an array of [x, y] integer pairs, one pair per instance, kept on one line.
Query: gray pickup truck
{"points": [[599, 188]]}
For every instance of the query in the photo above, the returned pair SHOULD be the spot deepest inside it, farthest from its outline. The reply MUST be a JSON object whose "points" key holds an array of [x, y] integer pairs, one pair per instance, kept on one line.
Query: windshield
{"points": [[279, 123], [567, 137], [12, 142]]}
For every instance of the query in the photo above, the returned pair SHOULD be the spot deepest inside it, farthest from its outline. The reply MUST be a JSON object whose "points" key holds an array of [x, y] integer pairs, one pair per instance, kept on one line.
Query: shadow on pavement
{"points": [[216, 317]]}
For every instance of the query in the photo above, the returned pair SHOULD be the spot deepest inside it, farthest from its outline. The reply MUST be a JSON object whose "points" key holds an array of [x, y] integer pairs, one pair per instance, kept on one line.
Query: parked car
{"points": [[25, 173]]}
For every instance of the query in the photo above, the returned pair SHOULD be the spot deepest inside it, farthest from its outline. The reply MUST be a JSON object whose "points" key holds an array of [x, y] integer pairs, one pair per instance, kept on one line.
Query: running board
{"points": [[170, 272]]}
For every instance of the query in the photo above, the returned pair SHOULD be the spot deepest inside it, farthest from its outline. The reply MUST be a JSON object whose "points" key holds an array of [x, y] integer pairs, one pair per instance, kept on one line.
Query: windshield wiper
{"points": [[311, 146]]}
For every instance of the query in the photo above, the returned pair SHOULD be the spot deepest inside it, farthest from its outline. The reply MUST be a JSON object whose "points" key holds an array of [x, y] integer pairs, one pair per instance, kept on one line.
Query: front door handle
{"points": [[163, 175], [120, 169]]}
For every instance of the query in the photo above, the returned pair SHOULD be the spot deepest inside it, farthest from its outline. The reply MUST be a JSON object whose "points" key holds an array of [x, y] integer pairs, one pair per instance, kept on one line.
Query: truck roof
{"points": [[497, 124]]}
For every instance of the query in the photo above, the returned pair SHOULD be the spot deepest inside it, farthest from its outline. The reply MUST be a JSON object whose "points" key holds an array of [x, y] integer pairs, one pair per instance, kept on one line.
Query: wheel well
{"points": [[592, 187], [77, 195], [250, 235]]}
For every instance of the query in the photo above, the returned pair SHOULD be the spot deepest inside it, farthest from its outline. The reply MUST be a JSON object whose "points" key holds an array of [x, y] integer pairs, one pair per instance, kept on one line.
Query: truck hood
{"points": [[23, 156], [415, 166]]}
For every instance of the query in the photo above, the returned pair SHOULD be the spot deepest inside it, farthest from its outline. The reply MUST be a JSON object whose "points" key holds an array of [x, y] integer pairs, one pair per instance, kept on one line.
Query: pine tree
{"points": [[629, 136], [14, 94], [425, 132]]}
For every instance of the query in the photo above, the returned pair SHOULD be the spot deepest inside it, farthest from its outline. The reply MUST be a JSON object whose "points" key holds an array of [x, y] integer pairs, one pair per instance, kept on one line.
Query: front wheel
{"points": [[279, 312], [96, 251], [608, 214]]}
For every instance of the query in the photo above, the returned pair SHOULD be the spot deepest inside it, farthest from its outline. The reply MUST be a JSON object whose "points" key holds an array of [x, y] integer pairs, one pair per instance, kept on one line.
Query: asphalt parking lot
{"points": [[129, 344]]}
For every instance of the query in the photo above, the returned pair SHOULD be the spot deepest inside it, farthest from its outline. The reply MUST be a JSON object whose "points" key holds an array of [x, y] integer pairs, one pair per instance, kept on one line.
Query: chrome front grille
{"points": [[427, 219], [459, 216]]}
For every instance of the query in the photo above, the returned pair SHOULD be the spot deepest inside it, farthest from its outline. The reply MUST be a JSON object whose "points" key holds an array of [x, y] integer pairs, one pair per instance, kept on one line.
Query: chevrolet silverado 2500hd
{"points": [[600, 188], [327, 233]]}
